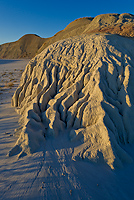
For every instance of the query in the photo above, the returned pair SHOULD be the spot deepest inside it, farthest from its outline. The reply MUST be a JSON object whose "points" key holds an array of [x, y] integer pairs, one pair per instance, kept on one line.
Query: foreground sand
{"points": [[50, 173]]}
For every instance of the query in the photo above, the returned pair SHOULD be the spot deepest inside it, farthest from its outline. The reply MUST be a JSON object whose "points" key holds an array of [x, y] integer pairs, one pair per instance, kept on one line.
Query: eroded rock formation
{"points": [[30, 45], [83, 84]]}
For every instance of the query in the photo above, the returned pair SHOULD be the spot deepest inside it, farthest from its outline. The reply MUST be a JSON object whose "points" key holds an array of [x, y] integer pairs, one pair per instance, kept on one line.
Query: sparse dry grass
{"points": [[9, 84], [3, 74], [21, 71], [8, 78], [12, 79], [11, 73], [1, 89]]}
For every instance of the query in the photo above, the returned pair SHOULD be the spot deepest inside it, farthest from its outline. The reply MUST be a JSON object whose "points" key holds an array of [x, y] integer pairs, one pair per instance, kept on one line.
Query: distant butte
{"points": [[30, 45]]}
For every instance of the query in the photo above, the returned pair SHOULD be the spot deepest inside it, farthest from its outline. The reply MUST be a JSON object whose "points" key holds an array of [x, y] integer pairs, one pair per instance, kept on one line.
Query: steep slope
{"points": [[83, 85], [73, 29], [25, 47], [30, 45], [121, 24]]}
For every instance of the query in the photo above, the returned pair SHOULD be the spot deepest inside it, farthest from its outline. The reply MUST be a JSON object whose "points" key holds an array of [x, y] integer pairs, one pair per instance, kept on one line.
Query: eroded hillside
{"points": [[84, 86], [26, 47], [30, 45]]}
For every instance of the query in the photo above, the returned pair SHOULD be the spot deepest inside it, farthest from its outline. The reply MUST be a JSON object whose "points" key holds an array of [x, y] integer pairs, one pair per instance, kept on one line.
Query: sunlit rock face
{"points": [[83, 85]]}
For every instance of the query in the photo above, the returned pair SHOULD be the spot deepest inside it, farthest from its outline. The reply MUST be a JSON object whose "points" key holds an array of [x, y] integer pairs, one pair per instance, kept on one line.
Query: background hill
{"points": [[73, 29], [121, 24], [30, 45], [25, 47]]}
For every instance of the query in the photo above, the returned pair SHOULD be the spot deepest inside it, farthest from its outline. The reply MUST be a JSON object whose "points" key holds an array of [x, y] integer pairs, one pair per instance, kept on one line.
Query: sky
{"points": [[45, 18]]}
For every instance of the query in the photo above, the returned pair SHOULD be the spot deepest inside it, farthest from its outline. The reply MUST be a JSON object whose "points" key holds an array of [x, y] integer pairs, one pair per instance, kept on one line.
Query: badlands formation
{"points": [[25, 47], [83, 87], [30, 45]]}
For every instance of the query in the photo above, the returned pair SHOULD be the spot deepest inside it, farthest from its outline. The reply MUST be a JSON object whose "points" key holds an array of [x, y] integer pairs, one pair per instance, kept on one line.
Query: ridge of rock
{"points": [[83, 85], [120, 24]]}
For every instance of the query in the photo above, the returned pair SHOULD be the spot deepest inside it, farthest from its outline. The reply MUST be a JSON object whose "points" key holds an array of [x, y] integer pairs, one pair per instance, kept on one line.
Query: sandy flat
{"points": [[50, 173]]}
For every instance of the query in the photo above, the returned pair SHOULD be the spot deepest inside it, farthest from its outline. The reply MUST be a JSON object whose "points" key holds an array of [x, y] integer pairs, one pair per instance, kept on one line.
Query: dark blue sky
{"points": [[45, 18]]}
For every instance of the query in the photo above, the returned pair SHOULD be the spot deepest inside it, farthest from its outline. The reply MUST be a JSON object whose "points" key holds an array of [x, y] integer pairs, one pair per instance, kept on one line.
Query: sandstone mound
{"points": [[83, 85], [121, 24], [25, 47]]}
